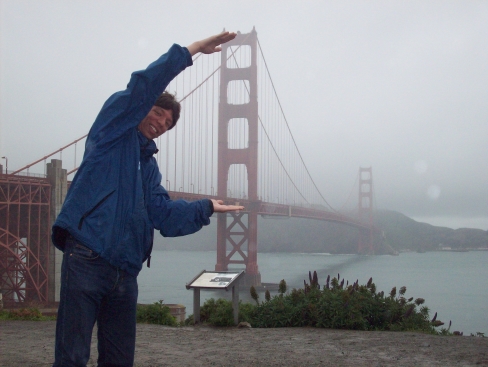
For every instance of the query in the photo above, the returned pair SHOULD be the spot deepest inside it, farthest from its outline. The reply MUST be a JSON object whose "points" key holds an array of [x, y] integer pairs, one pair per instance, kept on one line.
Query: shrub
{"points": [[156, 313], [336, 305], [217, 312], [220, 312]]}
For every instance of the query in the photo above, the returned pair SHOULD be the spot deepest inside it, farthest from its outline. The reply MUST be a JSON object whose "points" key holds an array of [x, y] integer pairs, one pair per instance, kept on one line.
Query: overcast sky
{"points": [[397, 85]]}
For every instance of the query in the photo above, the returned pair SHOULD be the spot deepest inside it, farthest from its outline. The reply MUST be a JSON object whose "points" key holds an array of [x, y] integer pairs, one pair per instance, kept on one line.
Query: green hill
{"points": [[401, 233], [404, 233]]}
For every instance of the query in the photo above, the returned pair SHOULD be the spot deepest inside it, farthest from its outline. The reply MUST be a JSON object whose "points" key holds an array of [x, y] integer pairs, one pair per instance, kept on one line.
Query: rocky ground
{"points": [[30, 344]]}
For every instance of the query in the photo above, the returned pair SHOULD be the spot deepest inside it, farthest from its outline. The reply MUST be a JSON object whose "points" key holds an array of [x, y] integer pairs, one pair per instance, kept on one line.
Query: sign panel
{"points": [[214, 280]]}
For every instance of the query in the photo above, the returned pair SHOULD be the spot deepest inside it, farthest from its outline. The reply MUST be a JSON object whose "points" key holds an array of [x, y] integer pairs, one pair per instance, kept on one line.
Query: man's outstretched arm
{"points": [[211, 44]]}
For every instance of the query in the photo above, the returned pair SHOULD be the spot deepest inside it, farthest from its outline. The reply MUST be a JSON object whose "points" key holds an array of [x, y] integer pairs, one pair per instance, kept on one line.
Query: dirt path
{"points": [[30, 344]]}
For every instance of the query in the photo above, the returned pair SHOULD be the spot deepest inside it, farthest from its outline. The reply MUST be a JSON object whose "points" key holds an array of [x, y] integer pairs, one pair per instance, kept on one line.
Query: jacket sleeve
{"points": [[126, 109], [173, 218]]}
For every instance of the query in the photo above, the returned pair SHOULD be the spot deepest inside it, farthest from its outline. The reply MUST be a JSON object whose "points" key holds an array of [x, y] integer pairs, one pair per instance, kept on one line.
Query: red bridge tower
{"points": [[238, 231], [365, 207]]}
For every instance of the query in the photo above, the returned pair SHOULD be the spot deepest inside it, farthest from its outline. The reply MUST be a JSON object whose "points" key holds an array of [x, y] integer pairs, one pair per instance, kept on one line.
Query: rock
{"points": [[244, 325]]}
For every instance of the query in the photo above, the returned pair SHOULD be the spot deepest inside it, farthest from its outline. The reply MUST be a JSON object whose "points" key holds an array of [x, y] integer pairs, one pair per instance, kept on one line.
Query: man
{"points": [[114, 203]]}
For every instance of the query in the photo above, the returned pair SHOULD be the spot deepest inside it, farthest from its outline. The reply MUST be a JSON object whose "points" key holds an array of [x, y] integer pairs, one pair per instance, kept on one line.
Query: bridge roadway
{"points": [[271, 209], [262, 208]]}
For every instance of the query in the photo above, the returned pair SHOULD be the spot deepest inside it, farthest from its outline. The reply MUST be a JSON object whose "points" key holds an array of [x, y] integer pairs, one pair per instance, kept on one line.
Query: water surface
{"points": [[454, 284]]}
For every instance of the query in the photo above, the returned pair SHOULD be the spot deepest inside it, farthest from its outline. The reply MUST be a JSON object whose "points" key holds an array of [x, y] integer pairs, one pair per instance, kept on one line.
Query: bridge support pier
{"points": [[237, 233], [57, 177]]}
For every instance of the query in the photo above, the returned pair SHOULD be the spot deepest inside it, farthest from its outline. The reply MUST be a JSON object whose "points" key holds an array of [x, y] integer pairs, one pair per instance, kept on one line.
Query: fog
{"points": [[396, 85]]}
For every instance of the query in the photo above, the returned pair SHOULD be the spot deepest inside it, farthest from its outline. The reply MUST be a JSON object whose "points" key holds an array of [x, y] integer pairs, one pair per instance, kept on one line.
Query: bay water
{"points": [[453, 284]]}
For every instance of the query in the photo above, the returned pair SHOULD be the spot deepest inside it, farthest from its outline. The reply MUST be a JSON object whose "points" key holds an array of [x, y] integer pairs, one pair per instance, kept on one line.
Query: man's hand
{"points": [[211, 44], [219, 207]]}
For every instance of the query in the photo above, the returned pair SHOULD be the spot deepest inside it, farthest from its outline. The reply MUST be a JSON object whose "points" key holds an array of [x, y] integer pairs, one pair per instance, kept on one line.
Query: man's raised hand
{"points": [[211, 44], [219, 207]]}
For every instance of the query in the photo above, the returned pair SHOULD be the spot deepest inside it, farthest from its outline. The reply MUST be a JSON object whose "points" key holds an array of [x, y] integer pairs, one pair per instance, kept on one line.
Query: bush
{"points": [[357, 307], [217, 312], [338, 306], [156, 313], [220, 312]]}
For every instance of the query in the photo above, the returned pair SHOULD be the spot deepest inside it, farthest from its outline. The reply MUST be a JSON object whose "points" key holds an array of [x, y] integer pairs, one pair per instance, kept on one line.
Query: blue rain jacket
{"points": [[116, 199]]}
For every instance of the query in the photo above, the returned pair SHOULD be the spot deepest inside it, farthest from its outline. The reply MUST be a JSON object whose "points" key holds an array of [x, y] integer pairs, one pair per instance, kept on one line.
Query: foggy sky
{"points": [[397, 85]]}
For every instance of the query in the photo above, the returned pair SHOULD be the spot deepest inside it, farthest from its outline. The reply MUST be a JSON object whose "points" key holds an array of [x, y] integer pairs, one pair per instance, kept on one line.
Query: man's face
{"points": [[156, 123]]}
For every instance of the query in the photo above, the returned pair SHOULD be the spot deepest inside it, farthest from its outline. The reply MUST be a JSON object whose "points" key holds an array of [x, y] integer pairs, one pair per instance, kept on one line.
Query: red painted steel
{"points": [[365, 211], [238, 231], [24, 239]]}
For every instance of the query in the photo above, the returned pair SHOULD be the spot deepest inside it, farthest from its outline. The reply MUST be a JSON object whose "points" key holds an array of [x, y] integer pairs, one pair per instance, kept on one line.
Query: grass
{"points": [[27, 314]]}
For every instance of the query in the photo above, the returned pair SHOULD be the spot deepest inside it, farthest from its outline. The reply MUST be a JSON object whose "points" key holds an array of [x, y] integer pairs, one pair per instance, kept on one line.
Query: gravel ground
{"points": [[30, 343]]}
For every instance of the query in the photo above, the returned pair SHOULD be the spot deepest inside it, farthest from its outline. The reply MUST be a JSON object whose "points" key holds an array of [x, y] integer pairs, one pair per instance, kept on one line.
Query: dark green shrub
{"points": [[217, 312], [156, 313], [221, 313], [246, 312], [340, 306], [336, 305], [189, 321]]}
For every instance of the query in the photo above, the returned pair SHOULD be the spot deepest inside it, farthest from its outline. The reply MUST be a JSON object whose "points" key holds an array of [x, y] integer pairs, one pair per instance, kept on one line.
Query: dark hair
{"points": [[168, 101]]}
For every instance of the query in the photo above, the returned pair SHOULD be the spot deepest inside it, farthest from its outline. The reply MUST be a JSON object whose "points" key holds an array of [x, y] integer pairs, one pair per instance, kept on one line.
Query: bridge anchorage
{"points": [[257, 165]]}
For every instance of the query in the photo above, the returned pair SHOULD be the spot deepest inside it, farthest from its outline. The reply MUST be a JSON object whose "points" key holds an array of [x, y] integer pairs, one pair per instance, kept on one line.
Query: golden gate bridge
{"points": [[232, 142]]}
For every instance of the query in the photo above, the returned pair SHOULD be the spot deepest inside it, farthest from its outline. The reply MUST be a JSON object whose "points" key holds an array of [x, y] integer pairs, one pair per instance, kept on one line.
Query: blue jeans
{"points": [[93, 290]]}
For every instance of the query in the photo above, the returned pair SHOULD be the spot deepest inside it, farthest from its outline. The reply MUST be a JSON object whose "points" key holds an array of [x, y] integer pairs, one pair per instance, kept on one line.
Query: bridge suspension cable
{"points": [[193, 141], [290, 134], [271, 143], [346, 206]]}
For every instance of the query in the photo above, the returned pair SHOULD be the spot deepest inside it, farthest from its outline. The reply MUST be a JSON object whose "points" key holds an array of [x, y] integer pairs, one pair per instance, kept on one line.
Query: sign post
{"points": [[215, 280]]}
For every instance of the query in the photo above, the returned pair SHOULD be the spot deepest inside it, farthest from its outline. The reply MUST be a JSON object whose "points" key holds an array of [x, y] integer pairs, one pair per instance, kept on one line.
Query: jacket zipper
{"points": [[93, 209]]}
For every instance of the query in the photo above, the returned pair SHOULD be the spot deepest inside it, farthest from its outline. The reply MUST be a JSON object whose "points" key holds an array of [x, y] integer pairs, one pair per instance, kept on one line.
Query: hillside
{"points": [[401, 233]]}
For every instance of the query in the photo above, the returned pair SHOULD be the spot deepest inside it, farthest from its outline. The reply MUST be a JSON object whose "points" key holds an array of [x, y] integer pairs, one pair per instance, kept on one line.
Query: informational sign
{"points": [[213, 280]]}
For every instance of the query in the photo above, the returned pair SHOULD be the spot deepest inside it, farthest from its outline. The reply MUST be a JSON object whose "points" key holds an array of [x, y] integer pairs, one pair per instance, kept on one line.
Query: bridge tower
{"points": [[365, 211], [239, 229]]}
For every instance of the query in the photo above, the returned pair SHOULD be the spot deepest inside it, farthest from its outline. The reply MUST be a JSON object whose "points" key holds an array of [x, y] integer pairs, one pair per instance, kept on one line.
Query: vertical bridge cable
{"points": [[345, 206], [291, 136], [193, 168], [275, 151]]}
